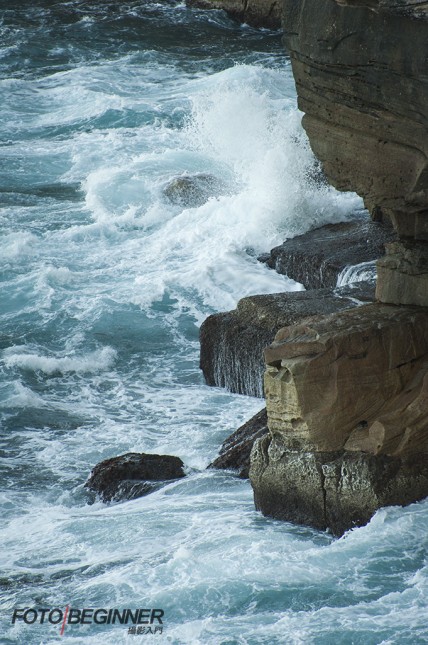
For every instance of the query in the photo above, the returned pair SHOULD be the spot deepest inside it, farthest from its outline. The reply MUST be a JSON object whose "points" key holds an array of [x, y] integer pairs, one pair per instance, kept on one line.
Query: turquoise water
{"points": [[104, 283]]}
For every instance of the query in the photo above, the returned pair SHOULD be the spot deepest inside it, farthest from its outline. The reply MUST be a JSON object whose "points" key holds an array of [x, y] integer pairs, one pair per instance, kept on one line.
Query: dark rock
{"points": [[236, 449], [332, 490], [257, 13], [133, 475], [193, 190], [232, 343], [317, 258]]}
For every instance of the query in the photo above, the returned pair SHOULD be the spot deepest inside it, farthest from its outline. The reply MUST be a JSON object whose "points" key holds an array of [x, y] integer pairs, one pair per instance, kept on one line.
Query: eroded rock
{"points": [[133, 475], [347, 405], [349, 58], [232, 343]]}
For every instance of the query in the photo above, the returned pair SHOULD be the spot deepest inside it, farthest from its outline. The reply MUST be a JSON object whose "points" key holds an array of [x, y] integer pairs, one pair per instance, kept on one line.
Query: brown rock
{"points": [[329, 377], [361, 76], [403, 274], [347, 405], [232, 343]]}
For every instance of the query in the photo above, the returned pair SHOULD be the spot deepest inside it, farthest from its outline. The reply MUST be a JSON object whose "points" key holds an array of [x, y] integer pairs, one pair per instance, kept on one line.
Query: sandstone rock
{"points": [[236, 449], [360, 68], [232, 343], [193, 190], [317, 258], [133, 475], [258, 13], [403, 274], [347, 405], [327, 377]]}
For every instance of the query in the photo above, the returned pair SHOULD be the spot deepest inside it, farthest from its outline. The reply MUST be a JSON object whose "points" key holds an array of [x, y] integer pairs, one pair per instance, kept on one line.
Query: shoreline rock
{"points": [[347, 406], [232, 343], [318, 257], [257, 13], [235, 450], [133, 475]]}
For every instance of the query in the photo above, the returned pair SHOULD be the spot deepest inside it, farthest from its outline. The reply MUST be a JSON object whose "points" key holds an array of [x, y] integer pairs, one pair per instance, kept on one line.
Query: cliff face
{"points": [[361, 76], [361, 71], [347, 394]]}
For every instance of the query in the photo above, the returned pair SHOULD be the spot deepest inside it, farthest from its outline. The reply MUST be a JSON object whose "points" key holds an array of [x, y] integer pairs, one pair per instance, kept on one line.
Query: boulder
{"points": [[232, 343], [235, 450], [317, 258], [133, 475]]}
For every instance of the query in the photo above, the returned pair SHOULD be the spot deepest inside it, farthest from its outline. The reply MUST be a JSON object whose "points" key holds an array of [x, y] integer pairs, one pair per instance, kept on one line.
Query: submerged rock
{"points": [[232, 343], [318, 257], [236, 449], [133, 475], [347, 405], [192, 191], [258, 13]]}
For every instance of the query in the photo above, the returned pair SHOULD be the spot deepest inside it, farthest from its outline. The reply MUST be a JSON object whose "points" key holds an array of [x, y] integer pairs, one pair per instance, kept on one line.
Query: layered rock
{"points": [[361, 77], [258, 13], [232, 343], [317, 258], [346, 398]]}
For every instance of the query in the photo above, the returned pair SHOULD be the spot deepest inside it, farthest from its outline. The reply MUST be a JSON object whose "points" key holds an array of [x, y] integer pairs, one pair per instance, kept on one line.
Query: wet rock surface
{"points": [[236, 449], [317, 258], [332, 490], [257, 13], [133, 475], [232, 343]]}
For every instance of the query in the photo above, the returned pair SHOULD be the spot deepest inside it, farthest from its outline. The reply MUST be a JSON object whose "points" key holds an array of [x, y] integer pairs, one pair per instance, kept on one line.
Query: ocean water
{"points": [[104, 283]]}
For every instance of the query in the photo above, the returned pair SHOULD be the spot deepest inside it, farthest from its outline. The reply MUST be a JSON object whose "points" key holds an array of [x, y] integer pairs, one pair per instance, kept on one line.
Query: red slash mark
{"points": [[64, 621]]}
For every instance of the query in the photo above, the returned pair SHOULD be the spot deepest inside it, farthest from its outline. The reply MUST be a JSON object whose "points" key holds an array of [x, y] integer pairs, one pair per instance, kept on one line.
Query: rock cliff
{"points": [[347, 406], [347, 389]]}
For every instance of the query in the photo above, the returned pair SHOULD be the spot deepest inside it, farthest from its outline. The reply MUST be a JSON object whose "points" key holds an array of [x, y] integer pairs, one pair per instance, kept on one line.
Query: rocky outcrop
{"points": [[133, 475], [317, 258], [361, 76], [236, 450], [258, 13], [232, 343], [346, 399]]}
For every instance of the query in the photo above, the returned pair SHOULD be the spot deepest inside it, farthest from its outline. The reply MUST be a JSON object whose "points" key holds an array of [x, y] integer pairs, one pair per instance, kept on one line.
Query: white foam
{"points": [[96, 361]]}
